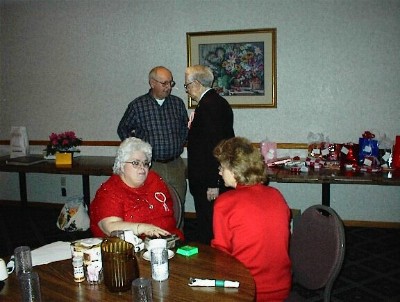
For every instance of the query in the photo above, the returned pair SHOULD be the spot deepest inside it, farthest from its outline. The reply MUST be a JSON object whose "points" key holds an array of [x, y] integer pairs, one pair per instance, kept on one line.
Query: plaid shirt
{"points": [[163, 127]]}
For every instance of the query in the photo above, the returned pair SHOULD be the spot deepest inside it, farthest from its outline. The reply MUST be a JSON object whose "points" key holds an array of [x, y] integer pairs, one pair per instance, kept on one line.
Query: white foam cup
{"points": [[157, 243], [3, 270]]}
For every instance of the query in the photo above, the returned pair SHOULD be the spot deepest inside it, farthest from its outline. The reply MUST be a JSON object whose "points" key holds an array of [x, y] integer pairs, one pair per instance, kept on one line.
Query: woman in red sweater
{"points": [[251, 222], [133, 198]]}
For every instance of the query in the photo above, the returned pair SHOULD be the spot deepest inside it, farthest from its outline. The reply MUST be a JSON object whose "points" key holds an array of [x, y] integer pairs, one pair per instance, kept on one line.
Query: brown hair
{"points": [[243, 159]]}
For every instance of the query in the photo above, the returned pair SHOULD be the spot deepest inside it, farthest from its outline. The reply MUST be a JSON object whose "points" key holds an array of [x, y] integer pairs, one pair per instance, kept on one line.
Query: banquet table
{"points": [[87, 166], [57, 283]]}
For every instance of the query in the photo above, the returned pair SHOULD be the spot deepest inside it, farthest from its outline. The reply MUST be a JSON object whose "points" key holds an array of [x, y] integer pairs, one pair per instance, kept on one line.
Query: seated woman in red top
{"points": [[133, 198], [251, 222]]}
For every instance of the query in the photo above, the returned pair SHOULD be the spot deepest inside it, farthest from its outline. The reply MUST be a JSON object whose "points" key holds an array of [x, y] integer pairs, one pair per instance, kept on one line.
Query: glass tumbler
{"points": [[23, 259], [141, 290], [118, 233], [30, 287], [159, 263]]}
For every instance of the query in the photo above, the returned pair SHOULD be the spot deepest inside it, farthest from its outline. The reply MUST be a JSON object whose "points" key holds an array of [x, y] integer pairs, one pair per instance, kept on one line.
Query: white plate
{"points": [[146, 255]]}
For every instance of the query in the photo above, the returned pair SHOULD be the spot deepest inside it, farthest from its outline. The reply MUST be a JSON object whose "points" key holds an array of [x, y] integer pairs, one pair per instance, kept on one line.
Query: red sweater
{"points": [[251, 223], [139, 205]]}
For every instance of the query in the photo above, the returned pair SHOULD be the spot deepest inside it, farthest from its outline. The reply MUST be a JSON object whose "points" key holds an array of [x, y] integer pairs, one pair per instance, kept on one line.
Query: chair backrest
{"points": [[317, 249], [178, 208]]}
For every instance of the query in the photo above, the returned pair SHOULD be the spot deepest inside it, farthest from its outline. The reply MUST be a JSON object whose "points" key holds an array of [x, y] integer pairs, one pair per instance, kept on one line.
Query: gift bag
{"points": [[396, 153], [368, 147], [333, 153], [316, 143], [268, 150], [19, 143], [385, 151], [74, 216], [349, 155]]}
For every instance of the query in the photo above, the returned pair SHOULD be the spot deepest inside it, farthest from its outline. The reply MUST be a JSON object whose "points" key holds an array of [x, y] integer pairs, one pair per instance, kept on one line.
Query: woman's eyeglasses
{"points": [[139, 164], [166, 83]]}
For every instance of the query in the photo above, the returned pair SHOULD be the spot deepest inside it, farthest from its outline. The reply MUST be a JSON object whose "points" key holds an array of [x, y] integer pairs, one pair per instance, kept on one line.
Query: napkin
{"points": [[52, 252]]}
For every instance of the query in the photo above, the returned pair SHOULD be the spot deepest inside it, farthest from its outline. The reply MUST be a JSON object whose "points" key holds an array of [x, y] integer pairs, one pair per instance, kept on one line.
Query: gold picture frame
{"points": [[243, 63]]}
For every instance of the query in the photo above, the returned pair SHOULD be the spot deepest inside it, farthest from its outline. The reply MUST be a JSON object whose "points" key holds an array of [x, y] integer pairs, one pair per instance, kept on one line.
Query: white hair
{"points": [[125, 150], [200, 73]]}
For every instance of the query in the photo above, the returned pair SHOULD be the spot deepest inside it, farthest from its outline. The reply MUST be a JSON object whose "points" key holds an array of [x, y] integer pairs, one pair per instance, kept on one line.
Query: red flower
{"points": [[62, 142]]}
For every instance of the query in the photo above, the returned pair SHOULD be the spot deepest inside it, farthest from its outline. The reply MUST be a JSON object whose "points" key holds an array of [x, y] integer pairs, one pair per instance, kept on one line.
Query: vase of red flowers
{"points": [[62, 142]]}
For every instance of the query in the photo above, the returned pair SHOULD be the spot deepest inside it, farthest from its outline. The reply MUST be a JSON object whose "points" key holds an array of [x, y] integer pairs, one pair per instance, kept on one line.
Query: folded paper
{"points": [[52, 252]]}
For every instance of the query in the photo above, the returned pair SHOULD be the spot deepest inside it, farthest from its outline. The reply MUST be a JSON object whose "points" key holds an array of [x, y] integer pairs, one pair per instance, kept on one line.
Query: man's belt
{"points": [[164, 161]]}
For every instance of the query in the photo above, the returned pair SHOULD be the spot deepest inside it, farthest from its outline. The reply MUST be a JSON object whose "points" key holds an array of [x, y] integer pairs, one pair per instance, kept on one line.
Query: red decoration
{"points": [[349, 154], [368, 134], [396, 153]]}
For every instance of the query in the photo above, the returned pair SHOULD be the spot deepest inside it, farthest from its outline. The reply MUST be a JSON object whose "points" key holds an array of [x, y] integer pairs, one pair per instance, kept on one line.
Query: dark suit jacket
{"points": [[213, 122]]}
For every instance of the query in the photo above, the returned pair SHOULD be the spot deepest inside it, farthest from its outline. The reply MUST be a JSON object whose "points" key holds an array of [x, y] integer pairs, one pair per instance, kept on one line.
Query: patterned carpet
{"points": [[371, 270]]}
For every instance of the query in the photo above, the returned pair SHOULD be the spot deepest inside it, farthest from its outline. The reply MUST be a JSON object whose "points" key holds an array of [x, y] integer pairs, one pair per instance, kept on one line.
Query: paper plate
{"points": [[146, 255]]}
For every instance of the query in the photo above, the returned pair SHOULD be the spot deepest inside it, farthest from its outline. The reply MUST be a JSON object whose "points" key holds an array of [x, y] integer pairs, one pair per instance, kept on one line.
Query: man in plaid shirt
{"points": [[160, 119]]}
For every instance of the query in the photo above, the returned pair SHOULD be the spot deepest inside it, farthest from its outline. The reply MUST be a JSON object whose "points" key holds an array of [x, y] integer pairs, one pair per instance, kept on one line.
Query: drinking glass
{"points": [[30, 287], [23, 259], [159, 263], [141, 290]]}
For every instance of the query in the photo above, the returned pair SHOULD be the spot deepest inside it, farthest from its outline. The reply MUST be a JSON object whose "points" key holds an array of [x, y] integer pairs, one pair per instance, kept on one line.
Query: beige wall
{"points": [[75, 65]]}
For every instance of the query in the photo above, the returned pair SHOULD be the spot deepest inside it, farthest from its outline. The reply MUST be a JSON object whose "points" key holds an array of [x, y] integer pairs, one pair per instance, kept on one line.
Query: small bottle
{"points": [[79, 274]]}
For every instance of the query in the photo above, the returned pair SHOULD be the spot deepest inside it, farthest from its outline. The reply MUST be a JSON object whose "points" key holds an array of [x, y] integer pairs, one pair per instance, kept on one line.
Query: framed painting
{"points": [[243, 63]]}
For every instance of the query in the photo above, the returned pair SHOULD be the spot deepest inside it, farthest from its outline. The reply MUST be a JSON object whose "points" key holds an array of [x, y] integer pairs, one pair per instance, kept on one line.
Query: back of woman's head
{"points": [[243, 159], [125, 150]]}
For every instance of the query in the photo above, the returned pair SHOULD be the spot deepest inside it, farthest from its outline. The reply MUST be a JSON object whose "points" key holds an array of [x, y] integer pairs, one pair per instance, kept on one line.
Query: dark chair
{"points": [[317, 249], [178, 208]]}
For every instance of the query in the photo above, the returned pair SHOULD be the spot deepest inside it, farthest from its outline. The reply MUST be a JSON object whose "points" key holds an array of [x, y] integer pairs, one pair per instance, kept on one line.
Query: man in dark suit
{"points": [[211, 122]]}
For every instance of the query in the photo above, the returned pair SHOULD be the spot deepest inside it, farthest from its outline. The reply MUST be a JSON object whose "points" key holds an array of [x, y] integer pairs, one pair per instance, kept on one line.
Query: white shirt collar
{"points": [[204, 93], [160, 102]]}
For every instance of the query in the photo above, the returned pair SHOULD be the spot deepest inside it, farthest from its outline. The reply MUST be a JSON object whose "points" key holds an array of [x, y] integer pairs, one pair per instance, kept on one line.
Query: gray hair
{"points": [[200, 73], [125, 150]]}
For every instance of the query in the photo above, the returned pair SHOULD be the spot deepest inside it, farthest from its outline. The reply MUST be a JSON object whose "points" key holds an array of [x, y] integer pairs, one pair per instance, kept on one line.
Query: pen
{"points": [[213, 282]]}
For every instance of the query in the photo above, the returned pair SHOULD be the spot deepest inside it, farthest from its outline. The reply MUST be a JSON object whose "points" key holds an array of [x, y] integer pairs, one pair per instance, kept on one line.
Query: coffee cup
{"points": [[157, 243], [3, 270]]}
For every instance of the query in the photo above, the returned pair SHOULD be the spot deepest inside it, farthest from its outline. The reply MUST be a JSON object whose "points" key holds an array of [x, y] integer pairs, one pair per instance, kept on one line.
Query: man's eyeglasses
{"points": [[139, 164], [187, 85], [166, 83]]}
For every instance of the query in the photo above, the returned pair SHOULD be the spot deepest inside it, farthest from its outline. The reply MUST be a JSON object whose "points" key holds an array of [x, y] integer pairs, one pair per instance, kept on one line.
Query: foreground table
{"points": [[57, 282]]}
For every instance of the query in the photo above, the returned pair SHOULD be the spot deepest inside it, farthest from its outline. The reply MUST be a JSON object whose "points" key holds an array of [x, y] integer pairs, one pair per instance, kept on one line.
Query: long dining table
{"points": [[57, 282], [87, 166]]}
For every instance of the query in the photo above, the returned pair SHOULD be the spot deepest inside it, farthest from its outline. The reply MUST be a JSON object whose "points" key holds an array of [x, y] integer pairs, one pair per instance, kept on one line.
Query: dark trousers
{"points": [[204, 214]]}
